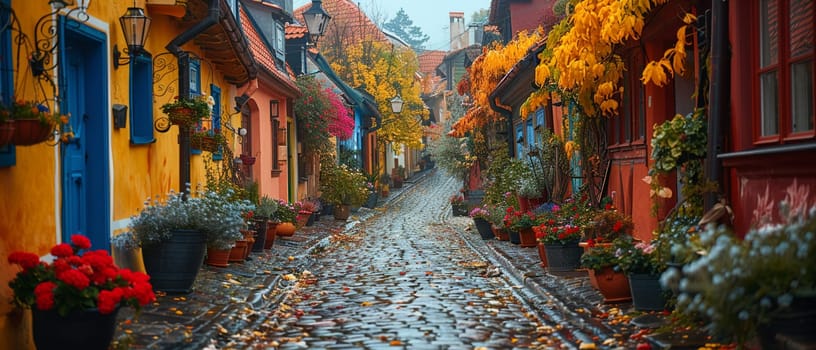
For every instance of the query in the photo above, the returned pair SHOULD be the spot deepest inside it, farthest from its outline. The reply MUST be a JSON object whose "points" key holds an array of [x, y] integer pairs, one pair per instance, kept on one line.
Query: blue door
{"points": [[85, 159]]}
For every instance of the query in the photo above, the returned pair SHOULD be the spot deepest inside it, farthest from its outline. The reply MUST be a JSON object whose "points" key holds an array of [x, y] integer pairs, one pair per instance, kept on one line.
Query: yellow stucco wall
{"points": [[29, 190]]}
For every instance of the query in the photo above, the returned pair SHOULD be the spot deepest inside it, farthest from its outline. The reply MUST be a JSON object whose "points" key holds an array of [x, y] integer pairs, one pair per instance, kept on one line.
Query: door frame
{"points": [[97, 131]]}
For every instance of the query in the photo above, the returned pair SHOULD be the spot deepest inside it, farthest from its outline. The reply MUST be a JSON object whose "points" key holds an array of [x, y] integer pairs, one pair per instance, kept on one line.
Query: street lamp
{"points": [[396, 104], [316, 19], [135, 27]]}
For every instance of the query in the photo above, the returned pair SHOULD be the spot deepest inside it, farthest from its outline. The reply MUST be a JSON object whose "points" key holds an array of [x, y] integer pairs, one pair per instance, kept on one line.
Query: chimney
{"points": [[458, 37]]}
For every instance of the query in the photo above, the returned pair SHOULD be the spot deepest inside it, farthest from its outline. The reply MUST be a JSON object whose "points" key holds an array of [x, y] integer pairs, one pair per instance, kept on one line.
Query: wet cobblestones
{"points": [[405, 275]]}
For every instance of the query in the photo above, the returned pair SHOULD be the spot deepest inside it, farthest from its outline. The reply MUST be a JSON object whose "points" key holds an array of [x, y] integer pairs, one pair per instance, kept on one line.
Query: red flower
{"points": [[590, 243], [109, 299], [24, 259], [44, 295], [74, 278], [62, 250], [618, 226], [80, 241]]}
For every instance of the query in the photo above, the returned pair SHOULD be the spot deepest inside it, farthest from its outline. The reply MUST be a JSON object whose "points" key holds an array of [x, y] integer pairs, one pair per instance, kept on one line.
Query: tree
{"points": [[384, 71], [480, 16], [403, 27]]}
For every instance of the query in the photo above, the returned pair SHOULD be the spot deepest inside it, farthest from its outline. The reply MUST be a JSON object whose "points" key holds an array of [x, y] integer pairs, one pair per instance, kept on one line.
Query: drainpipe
{"points": [[183, 58], [507, 111], [719, 91]]}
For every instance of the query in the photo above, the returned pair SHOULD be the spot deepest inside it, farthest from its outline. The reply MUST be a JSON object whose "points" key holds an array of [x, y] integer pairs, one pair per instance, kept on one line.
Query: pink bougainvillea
{"points": [[341, 124]]}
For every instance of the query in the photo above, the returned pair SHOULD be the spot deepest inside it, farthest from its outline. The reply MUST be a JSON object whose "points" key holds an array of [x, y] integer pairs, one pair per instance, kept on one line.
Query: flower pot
{"points": [[218, 257], [527, 238], [646, 292], [613, 285], [514, 236], [81, 329], [459, 209], [795, 322], [501, 233], [183, 116], [238, 252], [542, 255], [524, 203], [271, 233], [174, 264], [260, 235], [29, 132], [342, 212], [311, 219], [204, 143], [483, 226], [247, 159], [6, 132], [563, 257], [303, 218], [371, 201], [285, 229]]}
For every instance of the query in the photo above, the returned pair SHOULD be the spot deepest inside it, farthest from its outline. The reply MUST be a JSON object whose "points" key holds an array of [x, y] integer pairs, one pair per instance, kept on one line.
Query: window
{"points": [[195, 77], [7, 152], [540, 125], [519, 140], [629, 126], [275, 143], [216, 117], [784, 76], [530, 141], [280, 43], [141, 100]]}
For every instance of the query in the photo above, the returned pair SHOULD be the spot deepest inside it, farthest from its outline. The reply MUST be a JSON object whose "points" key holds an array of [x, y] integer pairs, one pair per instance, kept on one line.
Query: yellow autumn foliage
{"points": [[385, 71], [580, 59], [485, 74]]}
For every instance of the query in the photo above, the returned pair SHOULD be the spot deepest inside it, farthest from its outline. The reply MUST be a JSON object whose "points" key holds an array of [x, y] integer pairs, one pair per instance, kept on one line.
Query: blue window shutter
{"points": [[195, 77], [216, 117], [141, 100], [8, 155]]}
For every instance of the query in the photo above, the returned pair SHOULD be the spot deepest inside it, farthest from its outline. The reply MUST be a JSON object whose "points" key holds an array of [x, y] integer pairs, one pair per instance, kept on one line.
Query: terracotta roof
{"points": [[429, 60], [295, 31], [261, 53], [348, 21]]}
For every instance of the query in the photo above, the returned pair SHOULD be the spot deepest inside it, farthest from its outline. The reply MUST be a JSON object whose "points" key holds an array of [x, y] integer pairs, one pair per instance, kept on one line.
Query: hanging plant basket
{"points": [[29, 132], [183, 116], [247, 159], [204, 143], [6, 132]]}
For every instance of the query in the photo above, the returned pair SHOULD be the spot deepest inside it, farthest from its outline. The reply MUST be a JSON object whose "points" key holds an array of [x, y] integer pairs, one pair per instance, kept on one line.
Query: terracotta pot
{"points": [[303, 218], [527, 238], [285, 229], [613, 285], [29, 132], [542, 254], [500, 233], [237, 253], [271, 232], [342, 212], [218, 257]]}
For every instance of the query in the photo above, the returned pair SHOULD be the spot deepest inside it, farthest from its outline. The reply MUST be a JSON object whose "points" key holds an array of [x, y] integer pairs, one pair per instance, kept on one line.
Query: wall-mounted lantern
{"points": [[317, 20], [274, 111], [135, 28], [396, 104]]}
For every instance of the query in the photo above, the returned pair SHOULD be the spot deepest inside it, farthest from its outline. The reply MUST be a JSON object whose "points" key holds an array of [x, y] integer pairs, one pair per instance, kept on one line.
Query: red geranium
{"points": [[75, 282]]}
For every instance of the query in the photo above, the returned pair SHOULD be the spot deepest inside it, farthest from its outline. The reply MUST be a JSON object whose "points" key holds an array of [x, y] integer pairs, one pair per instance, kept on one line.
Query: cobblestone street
{"points": [[403, 275]]}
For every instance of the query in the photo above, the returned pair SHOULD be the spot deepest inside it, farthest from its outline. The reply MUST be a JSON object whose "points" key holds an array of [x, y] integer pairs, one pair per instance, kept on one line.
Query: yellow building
{"points": [[116, 149]]}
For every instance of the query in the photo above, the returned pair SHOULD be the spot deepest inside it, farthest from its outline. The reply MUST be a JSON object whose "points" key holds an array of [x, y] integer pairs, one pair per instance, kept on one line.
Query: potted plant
{"points": [[264, 215], [175, 231], [522, 223], [207, 140], [188, 111], [560, 242], [33, 122], [480, 216], [496, 219], [604, 273], [343, 187], [75, 298], [755, 287], [458, 206], [643, 266]]}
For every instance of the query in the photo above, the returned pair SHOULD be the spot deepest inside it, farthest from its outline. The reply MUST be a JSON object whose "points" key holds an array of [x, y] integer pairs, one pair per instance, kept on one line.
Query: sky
{"points": [[430, 15]]}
